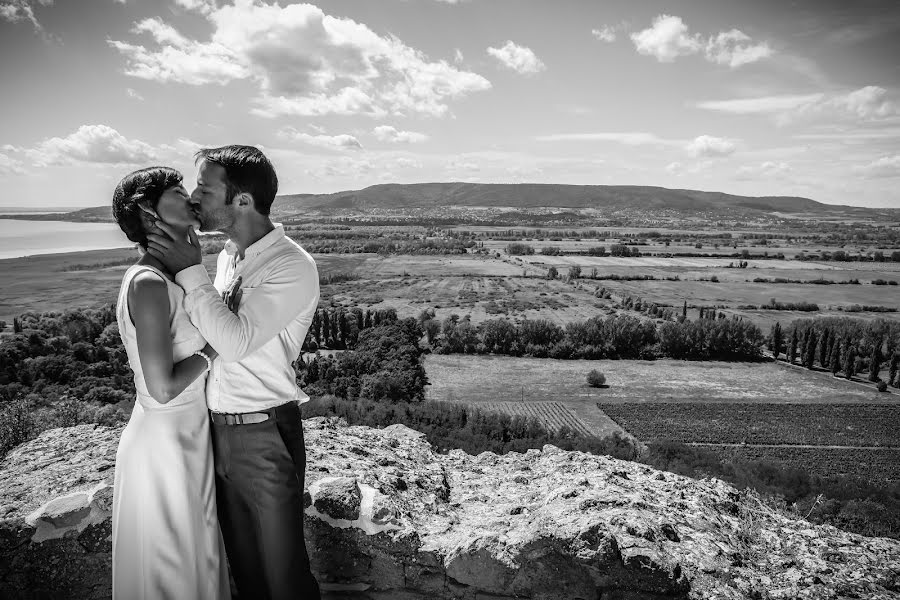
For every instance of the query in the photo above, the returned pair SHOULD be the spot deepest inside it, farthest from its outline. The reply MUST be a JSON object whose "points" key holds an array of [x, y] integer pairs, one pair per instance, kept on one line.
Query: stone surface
{"points": [[387, 517]]}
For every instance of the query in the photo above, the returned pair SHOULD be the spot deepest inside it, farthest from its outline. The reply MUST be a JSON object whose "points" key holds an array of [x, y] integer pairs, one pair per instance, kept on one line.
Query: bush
{"points": [[16, 424], [517, 249], [882, 386], [596, 379]]}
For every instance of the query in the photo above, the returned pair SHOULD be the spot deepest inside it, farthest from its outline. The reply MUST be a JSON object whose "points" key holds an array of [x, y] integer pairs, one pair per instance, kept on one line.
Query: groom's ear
{"points": [[244, 200]]}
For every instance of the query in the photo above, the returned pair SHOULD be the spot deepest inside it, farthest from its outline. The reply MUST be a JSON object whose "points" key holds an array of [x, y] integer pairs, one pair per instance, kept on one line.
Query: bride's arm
{"points": [[148, 303]]}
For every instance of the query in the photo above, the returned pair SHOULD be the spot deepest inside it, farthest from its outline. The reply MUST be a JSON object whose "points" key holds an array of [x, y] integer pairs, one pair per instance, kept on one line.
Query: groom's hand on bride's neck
{"points": [[172, 250]]}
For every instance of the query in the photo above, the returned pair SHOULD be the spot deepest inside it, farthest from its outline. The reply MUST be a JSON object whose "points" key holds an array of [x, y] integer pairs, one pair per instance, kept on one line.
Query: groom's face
{"points": [[210, 197]]}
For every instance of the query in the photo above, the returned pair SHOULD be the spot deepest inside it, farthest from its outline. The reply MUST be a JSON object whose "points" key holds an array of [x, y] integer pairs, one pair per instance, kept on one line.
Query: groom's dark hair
{"points": [[246, 170]]}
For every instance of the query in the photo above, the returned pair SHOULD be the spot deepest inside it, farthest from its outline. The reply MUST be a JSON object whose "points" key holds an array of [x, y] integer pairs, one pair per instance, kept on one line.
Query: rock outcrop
{"points": [[389, 518]]}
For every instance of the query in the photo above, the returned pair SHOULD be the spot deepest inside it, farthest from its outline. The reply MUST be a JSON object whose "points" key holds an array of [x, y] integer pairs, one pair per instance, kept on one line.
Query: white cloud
{"points": [[179, 59], [461, 164], [458, 56], [10, 166], [97, 144], [629, 138], [388, 133], [341, 141], [707, 146], [762, 105], [304, 62], [867, 104], [668, 38], [734, 48], [605, 33], [133, 94], [17, 11], [678, 169], [675, 168], [766, 170], [203, 7], [518, 58], [407, 163], [886, 166]]}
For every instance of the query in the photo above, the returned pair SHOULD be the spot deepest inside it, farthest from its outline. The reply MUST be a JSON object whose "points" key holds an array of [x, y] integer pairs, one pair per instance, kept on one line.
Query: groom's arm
{"points": [[291, 287]]}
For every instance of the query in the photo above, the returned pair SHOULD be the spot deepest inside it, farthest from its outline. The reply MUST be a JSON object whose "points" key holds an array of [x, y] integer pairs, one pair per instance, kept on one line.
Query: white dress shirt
{"points": [[256, 346]]}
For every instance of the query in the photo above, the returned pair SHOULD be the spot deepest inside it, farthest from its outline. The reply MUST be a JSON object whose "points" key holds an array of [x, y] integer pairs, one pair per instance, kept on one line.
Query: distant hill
{"points": [[528, 196], [534, 195]]}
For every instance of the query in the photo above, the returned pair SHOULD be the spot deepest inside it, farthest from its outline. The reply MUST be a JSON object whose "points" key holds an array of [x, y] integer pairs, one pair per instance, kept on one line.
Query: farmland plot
{"points": [[877, 465], [480, 297], [552, 415], [753, 423]]}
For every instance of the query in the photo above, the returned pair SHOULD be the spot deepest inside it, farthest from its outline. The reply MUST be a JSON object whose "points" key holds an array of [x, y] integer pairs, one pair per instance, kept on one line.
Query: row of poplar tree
{"points": [[842, 346]]}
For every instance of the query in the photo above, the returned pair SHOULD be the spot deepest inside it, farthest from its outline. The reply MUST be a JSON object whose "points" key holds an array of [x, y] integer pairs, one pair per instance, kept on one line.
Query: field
{"points": [[56, 281], [718, 403], [478, 296], [552, 415], [873, 464], [830, 424]]}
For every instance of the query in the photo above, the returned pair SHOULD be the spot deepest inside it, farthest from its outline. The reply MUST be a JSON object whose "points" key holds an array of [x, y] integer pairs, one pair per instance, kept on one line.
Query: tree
{"points": [[823, 349], [892, 370], [314, 327], [776, 340], [326, 329], [684, 309], [596, 379], [792, 350], [810, 357], [875, 361], [835, 359], [849, 361], [552, 273], [574, 273]]}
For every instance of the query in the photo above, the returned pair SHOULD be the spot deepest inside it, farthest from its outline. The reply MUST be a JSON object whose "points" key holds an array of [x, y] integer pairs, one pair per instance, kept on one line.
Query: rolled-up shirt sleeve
{"points": [[290, 287]]}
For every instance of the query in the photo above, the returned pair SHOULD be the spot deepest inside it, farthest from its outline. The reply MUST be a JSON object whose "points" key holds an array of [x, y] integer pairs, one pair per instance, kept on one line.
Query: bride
{"points": [[165, 533]]}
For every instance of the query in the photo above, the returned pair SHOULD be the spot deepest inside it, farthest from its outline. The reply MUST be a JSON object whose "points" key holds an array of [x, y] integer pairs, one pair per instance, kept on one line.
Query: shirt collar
{"points": [[259, 245]]}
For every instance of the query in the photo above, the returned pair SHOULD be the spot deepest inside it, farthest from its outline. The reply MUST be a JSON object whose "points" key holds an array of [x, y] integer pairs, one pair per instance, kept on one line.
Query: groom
{"points": [[271, 290]]}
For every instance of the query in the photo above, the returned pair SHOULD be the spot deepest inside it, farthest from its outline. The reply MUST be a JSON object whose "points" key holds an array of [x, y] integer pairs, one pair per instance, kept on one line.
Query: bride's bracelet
{"points": [[206, 356]]}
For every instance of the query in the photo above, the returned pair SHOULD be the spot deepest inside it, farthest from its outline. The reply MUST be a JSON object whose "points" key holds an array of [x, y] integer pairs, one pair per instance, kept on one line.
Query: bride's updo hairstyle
{"points": [[143, 188]]}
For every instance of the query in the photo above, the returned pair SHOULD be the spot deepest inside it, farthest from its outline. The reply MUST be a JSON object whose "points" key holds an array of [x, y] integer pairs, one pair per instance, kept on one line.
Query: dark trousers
{"points": [[259, 490]]}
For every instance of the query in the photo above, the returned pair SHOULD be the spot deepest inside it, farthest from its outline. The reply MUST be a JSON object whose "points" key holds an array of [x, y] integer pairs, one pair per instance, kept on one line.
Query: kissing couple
{"points": [[212, 461]]}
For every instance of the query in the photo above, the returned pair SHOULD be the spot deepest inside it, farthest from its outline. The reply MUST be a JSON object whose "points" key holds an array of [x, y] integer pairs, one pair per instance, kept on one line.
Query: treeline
{"points": [[384, 246], [339, 328], [842, 346], [75, 352], [843, 256], [60, 369], [612, 337], [818, 281], [384, 366]]}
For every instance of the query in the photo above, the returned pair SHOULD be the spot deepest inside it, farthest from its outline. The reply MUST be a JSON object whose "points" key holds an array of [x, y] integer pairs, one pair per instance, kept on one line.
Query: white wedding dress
{"points": [[166, 542]]}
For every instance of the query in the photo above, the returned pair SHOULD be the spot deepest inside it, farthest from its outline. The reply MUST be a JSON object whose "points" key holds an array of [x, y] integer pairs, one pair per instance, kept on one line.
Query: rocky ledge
{"points": [[389, 518]]}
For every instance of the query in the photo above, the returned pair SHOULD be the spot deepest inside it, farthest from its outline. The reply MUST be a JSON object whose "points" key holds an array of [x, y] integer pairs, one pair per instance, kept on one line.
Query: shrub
{"points": [[596, 379], [882, 386], [16, 424], [517, 249]]}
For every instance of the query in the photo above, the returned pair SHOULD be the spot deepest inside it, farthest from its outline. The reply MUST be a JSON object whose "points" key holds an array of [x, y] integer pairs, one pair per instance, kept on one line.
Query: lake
{"points": [[27, 238]]}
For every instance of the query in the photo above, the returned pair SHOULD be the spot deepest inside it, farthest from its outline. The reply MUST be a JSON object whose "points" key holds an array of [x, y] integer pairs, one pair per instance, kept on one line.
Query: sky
{"points": [[770, 97]]}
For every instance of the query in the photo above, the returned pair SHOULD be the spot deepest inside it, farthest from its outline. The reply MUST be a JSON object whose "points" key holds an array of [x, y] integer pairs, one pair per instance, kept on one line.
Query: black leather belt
{"points": [[238, 418]]}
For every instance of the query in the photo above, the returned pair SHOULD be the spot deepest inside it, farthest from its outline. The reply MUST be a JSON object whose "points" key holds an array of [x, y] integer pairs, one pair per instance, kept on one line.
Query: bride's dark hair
{"points": [[143, 188]]}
